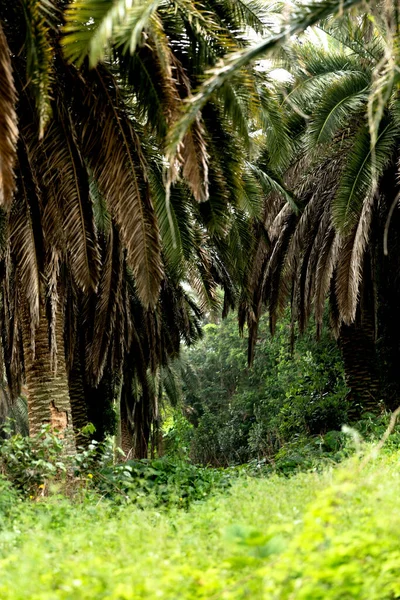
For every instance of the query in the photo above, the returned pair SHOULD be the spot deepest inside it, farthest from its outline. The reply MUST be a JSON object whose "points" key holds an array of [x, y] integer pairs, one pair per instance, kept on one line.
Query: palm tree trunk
{"points": [[142, 428], [47, 386], [359, 357], [77, 396], [126, 430], [358, 346]]}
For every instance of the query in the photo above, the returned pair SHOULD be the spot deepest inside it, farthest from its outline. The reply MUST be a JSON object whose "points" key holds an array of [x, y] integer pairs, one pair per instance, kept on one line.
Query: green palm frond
{"points": [[245, 13], [170, 226], [90, 25], [342, 99], [272, 183], [361, 175], [275, 130], [302, 17], [308, 58], [8, 125], [101, 213], [39, 53], [360, 36]]}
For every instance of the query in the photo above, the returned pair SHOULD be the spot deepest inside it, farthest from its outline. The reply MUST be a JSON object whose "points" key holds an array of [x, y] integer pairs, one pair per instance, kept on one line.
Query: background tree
{"points": [[343, 175]]}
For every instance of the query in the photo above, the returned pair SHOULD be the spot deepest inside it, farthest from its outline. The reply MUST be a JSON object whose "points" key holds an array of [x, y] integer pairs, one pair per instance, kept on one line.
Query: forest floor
{"points": [[318, 535]]}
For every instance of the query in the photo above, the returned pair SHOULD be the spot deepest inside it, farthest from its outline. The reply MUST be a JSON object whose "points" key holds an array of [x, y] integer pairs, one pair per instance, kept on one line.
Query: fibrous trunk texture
{"points": [[359, 357], [47, 383], [358, 346], [77, 397], [126, 431], [142, 429]]}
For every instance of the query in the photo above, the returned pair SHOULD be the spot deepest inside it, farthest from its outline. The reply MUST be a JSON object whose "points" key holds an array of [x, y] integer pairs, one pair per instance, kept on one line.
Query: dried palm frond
{"points": [[8, 125]]}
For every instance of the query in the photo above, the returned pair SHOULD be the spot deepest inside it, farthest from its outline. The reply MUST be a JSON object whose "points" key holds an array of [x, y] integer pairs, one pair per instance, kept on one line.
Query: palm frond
{"points": [[8, 125], [301, 18], [341, 100], [105, 308], [327, 260], [90, 25], [115, 158], [66, 171], [361, 175], [22, 240], [350, 264], [271, 183], [39, 60]]}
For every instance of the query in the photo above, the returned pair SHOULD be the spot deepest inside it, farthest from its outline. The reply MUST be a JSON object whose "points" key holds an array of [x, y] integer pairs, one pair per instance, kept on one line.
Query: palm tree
{"points": [[73, 128], [92, 120], [344, 177]]}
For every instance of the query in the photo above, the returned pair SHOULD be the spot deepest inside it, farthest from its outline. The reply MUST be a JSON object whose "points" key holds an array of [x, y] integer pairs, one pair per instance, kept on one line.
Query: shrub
{"points": [[160, 482]]}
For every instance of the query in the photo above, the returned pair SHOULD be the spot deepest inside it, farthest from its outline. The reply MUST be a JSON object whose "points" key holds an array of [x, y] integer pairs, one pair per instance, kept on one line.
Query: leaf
{"points": [[360, 177], [8, 125], [115, 157], [24, 249], [340, 101], [271, 183], [304, 16], [91, 25], [67, 172], [39, 60]]}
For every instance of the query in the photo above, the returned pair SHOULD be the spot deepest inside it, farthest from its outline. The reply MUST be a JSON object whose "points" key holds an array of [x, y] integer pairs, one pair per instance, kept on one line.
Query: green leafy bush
{"points": [[8, 498], [160, 482], [330, 535], [28, 462], [240, 414], [33, 465]]}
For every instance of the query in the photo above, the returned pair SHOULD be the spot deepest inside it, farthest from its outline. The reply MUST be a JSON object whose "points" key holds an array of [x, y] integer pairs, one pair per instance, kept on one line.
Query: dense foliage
{"points": [[311, 536], [239, 413]]}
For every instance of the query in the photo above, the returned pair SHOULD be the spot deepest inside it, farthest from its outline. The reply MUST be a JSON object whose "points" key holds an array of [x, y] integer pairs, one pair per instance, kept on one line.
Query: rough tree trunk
{"points": [[358, 346], [47, 388], [126, 430], [359, 358], [77, 396], [142, 429]]}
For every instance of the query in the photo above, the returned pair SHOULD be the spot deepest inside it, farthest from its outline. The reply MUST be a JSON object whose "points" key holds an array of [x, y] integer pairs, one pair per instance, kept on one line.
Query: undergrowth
{"points": [[91, 529]]}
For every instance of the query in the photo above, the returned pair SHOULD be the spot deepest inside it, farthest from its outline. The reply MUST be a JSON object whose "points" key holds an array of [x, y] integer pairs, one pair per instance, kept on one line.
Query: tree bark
{"points": [[47, 384], [77, 396], [359, 358], [358, 346], [142, 428], [126, 430]]}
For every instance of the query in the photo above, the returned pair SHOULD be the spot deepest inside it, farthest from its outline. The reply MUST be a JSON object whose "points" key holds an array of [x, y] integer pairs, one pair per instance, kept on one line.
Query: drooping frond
{"points": [[361, 175], [270, 183], [242, 14], [8, 125], [39, 60], [341, 100], [105, 307], [24, 250], [328, 256], [114, 155], [301, 18], [350, 263], [66, 173]]}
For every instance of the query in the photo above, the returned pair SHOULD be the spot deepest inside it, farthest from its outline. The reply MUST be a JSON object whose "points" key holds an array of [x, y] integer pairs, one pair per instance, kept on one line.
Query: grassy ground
{"points": [[311, 536]]}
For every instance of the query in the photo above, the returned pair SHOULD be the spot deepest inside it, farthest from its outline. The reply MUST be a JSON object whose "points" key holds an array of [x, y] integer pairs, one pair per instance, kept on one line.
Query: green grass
{"points": [[334, 535]]}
